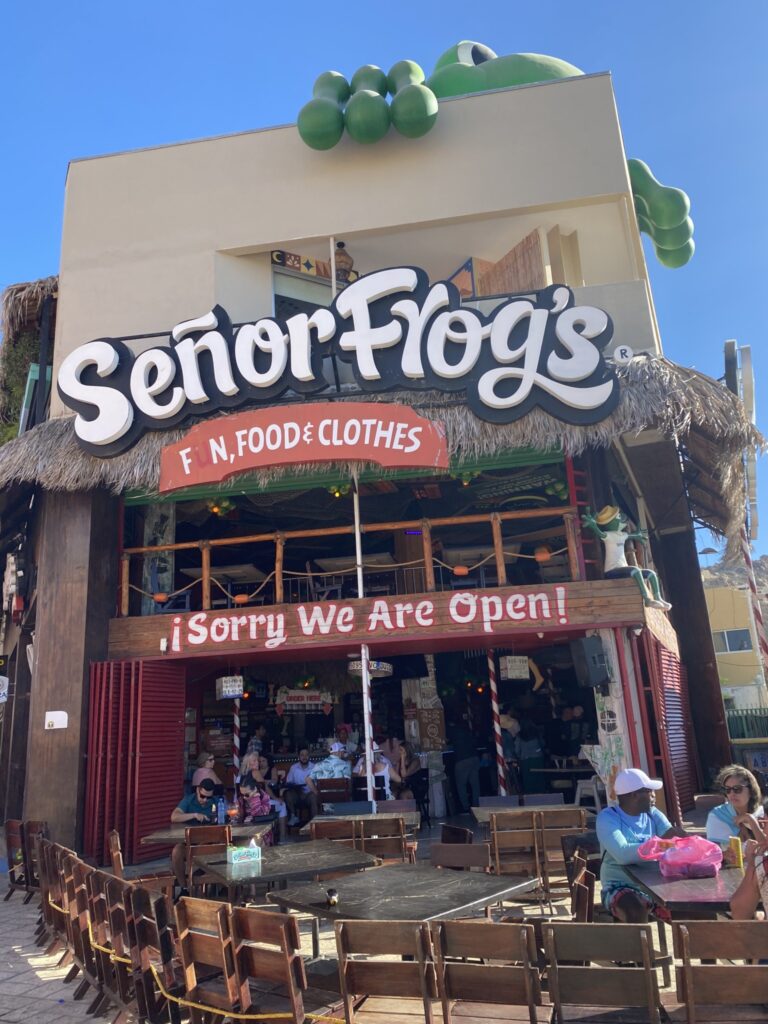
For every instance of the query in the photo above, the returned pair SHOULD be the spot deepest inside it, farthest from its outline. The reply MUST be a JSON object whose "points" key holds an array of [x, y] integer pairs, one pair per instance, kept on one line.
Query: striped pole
{"points": [[500, 764], [236, 738], [756, 609]]}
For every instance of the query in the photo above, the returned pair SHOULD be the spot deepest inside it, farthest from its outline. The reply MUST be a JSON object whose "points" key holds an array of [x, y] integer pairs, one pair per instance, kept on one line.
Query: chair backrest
{"points": [[205, 835], [400, 805], [116, 854], [14, 844], [499, 801], [456, 834], [571, 947], [514, 843], [116, 890], [334, 790], [507, 974], [583, 897], [544, 799], [267, 948], [32, 829], [80, 918], [563, 817], [205, 941], [585, 843], [98, 910], [414, 978], [151, 928], [386, 847], [461, 856], [345, 832], [719, 983], [350, 807], [371, 828]]}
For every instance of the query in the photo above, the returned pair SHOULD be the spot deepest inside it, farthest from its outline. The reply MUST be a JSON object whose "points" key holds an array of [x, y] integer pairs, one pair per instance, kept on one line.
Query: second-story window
{"points": [[732, 640]]}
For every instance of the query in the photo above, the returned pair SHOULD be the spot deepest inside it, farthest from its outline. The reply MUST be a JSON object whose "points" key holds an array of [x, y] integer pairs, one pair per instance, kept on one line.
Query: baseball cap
{"points": [[207, 784], [631, 779], [337, 748]]}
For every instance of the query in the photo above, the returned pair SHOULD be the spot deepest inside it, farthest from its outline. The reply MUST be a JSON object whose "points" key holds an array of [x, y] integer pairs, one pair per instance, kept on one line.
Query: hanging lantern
{"points": [[160, 598], [344, 262], [543, 553], [460, 570], [220, 507], [241, 599]]}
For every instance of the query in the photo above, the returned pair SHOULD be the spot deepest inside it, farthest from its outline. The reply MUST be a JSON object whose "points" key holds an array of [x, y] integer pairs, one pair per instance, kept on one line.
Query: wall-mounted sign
{"points": [[389, 435], [302, 701], [229, 686], [431, 728], [514, 666], [56, 720], [395, 330]]}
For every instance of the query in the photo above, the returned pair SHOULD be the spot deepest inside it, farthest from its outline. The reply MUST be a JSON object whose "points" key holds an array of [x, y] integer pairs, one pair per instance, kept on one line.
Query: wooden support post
{"points": [[429, 565], [498, 550], [125, 584], [279, 555], [572, 540], [205, 549]]}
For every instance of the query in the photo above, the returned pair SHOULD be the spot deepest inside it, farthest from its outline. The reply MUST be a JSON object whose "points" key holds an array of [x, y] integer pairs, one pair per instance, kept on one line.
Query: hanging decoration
{"points": [[302, 701], [220, 506], [376, 669]]}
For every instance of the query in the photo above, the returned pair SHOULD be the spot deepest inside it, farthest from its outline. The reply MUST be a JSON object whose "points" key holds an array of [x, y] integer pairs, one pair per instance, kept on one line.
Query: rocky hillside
{"points": [[721, 575]]}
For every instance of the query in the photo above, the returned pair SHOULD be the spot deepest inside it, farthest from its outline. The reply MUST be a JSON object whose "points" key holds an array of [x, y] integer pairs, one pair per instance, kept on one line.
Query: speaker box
{"points": [[589, 661]]}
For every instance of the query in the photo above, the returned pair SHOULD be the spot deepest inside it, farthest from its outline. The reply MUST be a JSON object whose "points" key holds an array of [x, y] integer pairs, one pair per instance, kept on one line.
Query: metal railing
{"points": [[747, 723]]}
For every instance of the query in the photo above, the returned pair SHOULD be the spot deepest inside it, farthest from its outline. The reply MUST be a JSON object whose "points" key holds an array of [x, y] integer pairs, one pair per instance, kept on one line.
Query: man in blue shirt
{"points": [[621, 830]]}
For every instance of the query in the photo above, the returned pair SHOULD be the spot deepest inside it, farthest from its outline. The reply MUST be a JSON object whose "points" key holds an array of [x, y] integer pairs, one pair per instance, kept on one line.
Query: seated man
{"points": [[196, 808], [621, 830], [333, 767], [298, 794]]}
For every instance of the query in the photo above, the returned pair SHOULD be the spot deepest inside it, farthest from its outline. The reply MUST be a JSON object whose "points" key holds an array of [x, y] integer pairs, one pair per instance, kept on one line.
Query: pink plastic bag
{"points": [[687, 857]]}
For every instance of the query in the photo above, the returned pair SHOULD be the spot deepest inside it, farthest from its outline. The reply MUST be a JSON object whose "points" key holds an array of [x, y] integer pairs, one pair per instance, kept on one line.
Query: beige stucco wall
{"points": [[729, 609], [156, 236]]}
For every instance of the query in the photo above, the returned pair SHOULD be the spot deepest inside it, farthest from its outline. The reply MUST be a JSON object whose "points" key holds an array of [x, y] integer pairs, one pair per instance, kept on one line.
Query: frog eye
{"points": [[474, 53]]}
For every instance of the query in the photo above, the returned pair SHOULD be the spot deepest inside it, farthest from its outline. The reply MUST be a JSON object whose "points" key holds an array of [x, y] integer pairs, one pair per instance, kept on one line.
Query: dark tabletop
{"points": [[290, 860], [411, 819], [402, 892], [688, 895], [175, 833]]}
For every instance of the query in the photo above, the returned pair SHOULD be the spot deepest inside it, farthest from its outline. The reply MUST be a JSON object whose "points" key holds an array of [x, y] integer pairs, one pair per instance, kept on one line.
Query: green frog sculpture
{"points": [[610, 525], [360, 107]]}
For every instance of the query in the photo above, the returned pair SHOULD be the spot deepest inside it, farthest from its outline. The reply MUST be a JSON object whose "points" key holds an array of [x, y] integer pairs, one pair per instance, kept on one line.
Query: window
{"points": [[732, 640]]}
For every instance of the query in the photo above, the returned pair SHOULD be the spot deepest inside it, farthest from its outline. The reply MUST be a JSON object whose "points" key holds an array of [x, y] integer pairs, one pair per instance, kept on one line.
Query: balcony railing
{"points": [[276, 584], [748, 723]]}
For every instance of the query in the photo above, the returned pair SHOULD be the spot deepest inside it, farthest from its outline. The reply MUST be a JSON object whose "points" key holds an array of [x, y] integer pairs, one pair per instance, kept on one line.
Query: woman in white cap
{"points": [[621, 830], [382, 769]]}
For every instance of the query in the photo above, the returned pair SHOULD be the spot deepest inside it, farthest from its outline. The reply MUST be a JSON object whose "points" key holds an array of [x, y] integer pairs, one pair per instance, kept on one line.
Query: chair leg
{"points": [[71, 974], [664, 950], [315, 937], [81, 989]]}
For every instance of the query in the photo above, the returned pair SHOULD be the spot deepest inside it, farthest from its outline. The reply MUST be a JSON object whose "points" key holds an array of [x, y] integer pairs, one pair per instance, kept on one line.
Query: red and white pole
{"points": [[236, 737], [756, 609], [501, 767]]}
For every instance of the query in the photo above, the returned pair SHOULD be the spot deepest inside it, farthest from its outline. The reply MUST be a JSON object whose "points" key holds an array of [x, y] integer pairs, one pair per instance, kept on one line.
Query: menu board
{"points": [[431, 728]]}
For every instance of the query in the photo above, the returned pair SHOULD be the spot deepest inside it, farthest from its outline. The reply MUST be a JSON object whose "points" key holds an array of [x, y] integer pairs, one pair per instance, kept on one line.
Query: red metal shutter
{"points": [[159, 753], [135, 753]]}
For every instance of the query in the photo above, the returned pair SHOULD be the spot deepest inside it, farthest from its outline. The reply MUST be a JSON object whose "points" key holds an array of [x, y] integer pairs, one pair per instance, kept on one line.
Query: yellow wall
{"points": [[157, 236], [729, 609]]}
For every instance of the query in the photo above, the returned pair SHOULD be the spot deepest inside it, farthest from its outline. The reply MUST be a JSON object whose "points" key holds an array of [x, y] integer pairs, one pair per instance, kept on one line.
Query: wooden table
{"points": [[411, 819], [401, 892], [699, 896], [289, 860], [482, 815], [176, 833]]}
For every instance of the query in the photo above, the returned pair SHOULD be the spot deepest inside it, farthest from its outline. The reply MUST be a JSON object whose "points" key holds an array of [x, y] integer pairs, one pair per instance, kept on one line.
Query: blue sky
{"points": [[88, 78]]}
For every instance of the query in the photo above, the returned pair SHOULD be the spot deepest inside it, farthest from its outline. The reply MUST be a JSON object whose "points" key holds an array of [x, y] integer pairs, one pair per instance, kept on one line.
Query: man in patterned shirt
{"points": [[333, 767]]}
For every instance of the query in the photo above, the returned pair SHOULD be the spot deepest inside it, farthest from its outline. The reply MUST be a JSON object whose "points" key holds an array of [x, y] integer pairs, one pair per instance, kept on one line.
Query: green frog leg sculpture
{"points": [[612, 531], [360, 107]]}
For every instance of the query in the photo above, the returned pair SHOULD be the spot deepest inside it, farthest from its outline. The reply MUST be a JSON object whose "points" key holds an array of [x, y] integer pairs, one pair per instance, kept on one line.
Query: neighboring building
{"points": [[148, 595], [739, 664]]}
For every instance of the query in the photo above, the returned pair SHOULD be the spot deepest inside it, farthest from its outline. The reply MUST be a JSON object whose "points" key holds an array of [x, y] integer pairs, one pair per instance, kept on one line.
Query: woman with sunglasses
{"points": [[743, 806]]}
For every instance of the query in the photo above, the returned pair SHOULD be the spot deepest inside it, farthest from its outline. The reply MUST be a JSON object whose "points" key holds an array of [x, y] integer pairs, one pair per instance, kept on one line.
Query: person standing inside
{"points": [[466, 768], [622, 830], [297, 793]]}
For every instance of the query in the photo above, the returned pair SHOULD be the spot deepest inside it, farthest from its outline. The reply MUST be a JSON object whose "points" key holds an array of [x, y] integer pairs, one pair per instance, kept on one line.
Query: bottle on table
{"points": [[221, 811]]}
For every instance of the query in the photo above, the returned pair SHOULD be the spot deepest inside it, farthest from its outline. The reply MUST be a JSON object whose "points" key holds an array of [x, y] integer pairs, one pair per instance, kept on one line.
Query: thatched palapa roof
{"points": [[684, 405]]}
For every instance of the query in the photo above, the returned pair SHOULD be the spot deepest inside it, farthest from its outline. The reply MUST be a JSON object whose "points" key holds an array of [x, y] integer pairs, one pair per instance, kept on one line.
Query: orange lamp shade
{"points": [[460, 570], [240, 598], [160, 598], [542, 553]]}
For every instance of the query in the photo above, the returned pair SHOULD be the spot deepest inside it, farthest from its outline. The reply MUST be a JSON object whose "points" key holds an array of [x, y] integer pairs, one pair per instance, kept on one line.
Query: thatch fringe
{"points": [[655, 393], [20, 305]]}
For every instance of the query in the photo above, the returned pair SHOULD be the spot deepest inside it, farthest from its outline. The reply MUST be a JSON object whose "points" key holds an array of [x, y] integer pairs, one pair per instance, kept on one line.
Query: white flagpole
{"points": [[366, 676]]}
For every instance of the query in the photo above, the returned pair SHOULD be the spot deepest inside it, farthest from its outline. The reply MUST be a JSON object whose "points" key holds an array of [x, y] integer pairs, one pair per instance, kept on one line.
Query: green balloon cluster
{"points": [[361, 106], [663, 214]]}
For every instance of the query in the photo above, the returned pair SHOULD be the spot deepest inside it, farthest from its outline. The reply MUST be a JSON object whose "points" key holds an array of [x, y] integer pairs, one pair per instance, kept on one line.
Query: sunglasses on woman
{"points": [[733, 789]]}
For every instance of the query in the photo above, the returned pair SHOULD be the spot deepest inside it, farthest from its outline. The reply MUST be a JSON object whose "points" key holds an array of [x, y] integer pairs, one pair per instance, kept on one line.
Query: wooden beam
{"points": [[125, 583], [498, 549], [429, 565], [279, 556], [572, 540], [206, 576]]}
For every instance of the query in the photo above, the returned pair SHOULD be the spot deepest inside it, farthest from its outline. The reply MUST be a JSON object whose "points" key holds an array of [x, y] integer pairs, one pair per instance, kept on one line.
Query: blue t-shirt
{"points": [[189, 804], [620, 834]]}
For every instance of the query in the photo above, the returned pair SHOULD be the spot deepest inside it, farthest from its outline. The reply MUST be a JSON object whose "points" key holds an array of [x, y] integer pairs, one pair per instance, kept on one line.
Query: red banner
{"points": [[392, 436]]}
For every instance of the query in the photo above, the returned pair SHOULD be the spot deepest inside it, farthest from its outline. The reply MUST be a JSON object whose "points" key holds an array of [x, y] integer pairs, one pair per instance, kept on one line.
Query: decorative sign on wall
{"points": [[395, 329], [393, 436], [297, 702], [431, 728], [514, 666], [229, 686]]}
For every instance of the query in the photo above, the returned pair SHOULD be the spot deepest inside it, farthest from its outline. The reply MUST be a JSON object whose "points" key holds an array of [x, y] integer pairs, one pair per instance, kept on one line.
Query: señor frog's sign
{"points": [[395, 329]]}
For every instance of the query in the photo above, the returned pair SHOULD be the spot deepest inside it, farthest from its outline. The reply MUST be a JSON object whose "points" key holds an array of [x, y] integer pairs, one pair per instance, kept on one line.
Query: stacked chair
{"points": [[384, 838]]}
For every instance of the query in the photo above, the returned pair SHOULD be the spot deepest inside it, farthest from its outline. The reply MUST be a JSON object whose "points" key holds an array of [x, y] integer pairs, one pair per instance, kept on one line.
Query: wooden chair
{"points": [[385, 838], [16, 854], [51, 908], [343, 831], [702, 986], [573, 952], [199, 841], [456, 834], [333, 791], [162, 880], [551, 826], [514, 843], [506, 975], [584, 843], [414, 979], [101, 932], [152, 932], [461, 856], [267, 948], [205, 943], [76, 874], [33, 829], [123, 989]]}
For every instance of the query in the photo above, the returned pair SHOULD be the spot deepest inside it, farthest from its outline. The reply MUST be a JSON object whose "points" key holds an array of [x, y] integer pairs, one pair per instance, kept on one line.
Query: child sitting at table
{"points": [[254, 803]]}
